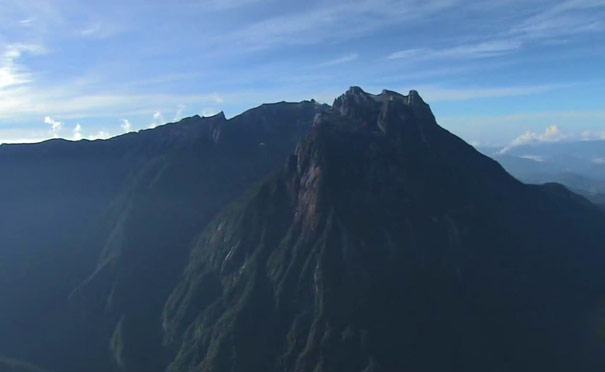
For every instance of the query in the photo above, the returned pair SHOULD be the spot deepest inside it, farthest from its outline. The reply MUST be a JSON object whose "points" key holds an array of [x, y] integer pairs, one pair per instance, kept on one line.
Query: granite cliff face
{"points": [[388, 244]]}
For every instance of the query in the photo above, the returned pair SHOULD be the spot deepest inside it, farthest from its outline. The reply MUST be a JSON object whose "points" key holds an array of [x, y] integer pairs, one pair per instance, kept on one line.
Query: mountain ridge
{"points": [[360, 236], [55, 189], [317, 270]]}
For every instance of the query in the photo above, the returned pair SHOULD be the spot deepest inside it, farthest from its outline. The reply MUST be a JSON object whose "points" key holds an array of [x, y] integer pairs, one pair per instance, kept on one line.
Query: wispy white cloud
{"points": [[11, 72], [588, 135], [552, 25], [10, 75], [562, 19], [158, 119], [550, 134], [468, 51], [55, 126], [126, 126], [22, 135], [71, 101], [14, 51], [99, 135], [31, 88], [496, 129], [508, 119], [433, 93], [209, 111], [223, 4], [327, 22], [77, 132], [537, 158], [339, 61], [216, 98], [100, 30], [179, 112]]}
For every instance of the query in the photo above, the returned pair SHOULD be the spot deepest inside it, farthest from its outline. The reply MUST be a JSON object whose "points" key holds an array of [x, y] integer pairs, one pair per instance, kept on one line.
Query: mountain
{"points": [[389, 244], [97, 231], [360, 236]]}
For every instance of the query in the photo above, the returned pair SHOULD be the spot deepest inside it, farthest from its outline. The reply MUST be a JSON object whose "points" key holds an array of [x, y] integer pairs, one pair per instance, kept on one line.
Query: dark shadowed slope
{"points": [[388, 244], [111, 219], [53, 195], [154, 221], [10, 365]]}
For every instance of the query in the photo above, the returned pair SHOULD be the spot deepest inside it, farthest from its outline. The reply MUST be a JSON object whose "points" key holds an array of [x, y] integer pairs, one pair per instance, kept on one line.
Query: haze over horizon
{"points": [[510, 73]]}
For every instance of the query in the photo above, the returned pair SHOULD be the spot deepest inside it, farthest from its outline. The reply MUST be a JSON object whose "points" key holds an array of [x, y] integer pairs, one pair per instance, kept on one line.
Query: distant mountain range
{"points": [[578, 165], [360, 236]]}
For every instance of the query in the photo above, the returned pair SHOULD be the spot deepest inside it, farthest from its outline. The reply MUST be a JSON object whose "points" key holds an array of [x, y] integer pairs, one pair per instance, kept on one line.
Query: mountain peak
{"points": [[387, 113], [219, 115], [355, 90], [353, 97], [358, 95], [413, 94], [386, 241]]}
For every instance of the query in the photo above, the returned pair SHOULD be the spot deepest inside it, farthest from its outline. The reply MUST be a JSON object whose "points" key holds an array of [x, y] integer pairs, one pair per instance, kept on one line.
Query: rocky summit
{"points": [[360, 236], [388, 244]]}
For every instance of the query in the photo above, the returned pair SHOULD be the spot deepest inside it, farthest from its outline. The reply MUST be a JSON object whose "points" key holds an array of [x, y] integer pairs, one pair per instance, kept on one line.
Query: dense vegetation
{"points": [[294, 237]]}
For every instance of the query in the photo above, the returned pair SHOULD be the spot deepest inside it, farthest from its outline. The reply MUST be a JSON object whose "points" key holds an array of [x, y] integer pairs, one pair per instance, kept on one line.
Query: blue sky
{"points": [[496, 73]]}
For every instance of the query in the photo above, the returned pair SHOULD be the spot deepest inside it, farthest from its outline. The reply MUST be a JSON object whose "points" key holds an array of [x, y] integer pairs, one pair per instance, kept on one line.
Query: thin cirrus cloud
{"points": [[99, 30], [151, 56], [68, 103], [13, 73], [338, 61], [477, 50], [564, 18], [441, 94], [224, 4], [179, 112], [334, 21]]}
